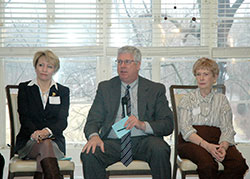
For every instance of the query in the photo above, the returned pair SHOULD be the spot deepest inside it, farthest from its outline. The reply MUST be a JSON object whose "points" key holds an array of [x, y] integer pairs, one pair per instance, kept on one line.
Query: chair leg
{"points": [[72, 175], [183, 175], [38, 175], [11, 176], [175, 172], [107, 175]]}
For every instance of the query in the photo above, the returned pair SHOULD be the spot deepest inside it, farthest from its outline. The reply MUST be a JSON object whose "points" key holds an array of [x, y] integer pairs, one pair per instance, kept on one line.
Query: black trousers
{"points": [[234, 164], [154, 150], [1, 166]]}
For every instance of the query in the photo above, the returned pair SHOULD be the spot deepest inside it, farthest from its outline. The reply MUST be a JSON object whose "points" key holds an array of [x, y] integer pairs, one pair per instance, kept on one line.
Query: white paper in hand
{"points": [[119, 128]]}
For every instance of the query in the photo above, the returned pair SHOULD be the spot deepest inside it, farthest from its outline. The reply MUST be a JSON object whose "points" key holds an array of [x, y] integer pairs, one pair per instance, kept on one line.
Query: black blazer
{"points": [[33, 117], [152, 107]]}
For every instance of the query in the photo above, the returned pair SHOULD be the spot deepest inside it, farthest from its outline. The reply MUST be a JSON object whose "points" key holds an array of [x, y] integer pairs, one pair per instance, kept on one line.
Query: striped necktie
{"points": [[126, 150]]}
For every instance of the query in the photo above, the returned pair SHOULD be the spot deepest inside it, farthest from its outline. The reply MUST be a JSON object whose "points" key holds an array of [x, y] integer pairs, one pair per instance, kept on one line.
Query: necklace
{"points": [[205, 109]]}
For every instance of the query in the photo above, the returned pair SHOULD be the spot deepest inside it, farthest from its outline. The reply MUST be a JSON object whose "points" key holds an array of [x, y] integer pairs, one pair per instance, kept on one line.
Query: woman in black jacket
{"points": [[43, 108]]}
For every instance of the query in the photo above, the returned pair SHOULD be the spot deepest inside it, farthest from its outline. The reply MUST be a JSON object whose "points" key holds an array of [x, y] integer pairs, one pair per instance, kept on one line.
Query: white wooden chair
{"points": [[17, 166], [185, 166], [136, 167]]}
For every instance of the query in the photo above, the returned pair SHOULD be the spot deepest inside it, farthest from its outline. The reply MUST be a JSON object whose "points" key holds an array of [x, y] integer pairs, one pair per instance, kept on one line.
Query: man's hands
{"points": [[93, 142], [96, 141], [134, 122]]}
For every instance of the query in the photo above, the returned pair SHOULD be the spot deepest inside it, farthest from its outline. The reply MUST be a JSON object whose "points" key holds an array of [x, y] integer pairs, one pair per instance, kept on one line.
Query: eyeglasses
{"points": [[126, 62]]}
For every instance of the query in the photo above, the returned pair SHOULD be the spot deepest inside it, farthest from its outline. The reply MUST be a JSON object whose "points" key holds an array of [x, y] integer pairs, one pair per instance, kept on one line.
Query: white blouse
{"points": [[44, 96]]}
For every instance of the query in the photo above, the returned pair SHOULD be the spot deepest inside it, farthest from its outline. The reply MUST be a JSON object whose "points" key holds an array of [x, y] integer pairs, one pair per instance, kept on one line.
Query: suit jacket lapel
{"points": [[34, 90], [52, 92], [115, 94], [142, 96]]}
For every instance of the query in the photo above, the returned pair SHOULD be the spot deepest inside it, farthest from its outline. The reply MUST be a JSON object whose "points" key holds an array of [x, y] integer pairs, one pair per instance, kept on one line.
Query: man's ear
{"points": [[138, 65]]}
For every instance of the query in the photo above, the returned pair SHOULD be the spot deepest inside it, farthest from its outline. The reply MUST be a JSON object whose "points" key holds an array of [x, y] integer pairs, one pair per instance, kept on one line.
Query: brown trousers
{"points": [[234, 164], [41, 151]]}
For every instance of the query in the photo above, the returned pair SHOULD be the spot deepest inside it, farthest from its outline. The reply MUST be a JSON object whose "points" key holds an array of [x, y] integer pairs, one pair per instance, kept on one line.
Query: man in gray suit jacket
{"points": [[150, 120]]}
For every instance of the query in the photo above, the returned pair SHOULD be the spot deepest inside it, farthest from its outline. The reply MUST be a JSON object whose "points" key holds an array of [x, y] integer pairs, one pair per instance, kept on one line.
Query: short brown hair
{"points": [[50, 57], [206, 63]]}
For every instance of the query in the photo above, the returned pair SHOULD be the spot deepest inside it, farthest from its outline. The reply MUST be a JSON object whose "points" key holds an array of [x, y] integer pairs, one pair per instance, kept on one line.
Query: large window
{"points": [[86, 34]]}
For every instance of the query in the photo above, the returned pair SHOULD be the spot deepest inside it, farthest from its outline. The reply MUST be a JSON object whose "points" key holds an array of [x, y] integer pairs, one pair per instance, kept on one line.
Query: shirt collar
{"points": [[208, 98], [132, 85], [34, 82]]}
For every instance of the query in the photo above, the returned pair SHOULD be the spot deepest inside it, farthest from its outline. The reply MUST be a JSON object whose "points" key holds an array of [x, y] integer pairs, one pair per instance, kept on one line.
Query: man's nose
{"points": [[123, 64]]}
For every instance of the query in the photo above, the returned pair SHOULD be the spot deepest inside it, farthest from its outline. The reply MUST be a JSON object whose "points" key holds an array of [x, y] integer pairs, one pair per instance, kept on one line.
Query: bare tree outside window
{"points": [[143, 23]]}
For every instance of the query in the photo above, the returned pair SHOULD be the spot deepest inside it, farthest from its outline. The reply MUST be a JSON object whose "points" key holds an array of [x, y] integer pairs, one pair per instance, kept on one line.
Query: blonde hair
{"points": [[206, 63], [50, 58]]}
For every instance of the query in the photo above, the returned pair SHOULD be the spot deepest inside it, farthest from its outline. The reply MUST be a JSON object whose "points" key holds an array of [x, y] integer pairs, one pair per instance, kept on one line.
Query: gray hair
{"points": [[131, 50]]}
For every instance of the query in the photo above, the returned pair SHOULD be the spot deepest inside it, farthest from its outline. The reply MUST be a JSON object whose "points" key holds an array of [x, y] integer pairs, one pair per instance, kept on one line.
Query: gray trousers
{"points": [[154, 150]]}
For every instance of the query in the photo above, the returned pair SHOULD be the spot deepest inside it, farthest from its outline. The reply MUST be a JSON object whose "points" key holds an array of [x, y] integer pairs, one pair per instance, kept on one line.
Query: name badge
{"points": [[196, 111], [54, 100]]}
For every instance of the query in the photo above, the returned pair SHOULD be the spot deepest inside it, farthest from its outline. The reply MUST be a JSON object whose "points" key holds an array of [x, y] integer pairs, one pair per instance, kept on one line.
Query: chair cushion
{"points": [[18, 165], [187, 165], [134, 165]]}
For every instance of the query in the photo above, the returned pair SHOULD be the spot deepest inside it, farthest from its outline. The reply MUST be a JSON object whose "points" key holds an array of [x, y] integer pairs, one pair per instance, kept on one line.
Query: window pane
{"points": [[37, 23], [80, 76], [237, 81], [233, 20], [146, 23]]}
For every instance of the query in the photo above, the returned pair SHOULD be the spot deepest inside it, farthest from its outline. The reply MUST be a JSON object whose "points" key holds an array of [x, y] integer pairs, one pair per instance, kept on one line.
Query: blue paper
{"points": [[119, 128], [66, 158]]}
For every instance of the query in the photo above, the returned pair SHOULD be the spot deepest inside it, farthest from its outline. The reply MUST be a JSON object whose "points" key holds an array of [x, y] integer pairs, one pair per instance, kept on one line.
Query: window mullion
{"points": [[156, 38], [209, 18]]}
